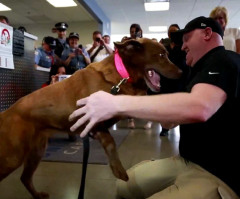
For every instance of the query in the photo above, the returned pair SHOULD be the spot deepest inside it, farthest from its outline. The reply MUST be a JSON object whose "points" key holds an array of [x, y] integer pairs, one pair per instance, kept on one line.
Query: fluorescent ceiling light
{"points": [[4, 8], [157, 28], [156, 6], [62, 3]]}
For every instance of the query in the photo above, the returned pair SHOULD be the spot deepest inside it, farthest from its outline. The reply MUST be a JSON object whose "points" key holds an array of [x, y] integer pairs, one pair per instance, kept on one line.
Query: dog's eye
{"points": [[162, 55]]}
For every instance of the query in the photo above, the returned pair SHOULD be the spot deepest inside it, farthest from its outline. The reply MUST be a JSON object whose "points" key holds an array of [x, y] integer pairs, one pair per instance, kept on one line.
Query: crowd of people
{"points": [[65, 50]]}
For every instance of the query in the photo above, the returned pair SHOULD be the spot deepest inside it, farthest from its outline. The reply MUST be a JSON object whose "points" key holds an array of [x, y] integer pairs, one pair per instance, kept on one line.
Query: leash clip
{"points": [[115, 89]]}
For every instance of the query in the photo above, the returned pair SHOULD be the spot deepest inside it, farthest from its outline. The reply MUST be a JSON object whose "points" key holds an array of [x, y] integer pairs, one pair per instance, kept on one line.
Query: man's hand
{"points": [[96, 108]]}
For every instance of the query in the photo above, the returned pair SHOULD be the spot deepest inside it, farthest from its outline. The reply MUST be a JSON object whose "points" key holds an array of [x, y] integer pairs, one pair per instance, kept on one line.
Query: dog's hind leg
{"points": [[12, 145], [31, 163], [109, 146]]}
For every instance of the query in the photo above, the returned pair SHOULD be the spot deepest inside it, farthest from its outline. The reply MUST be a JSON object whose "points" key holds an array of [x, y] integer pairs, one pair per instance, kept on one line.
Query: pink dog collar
{"points": [[120, 66]]}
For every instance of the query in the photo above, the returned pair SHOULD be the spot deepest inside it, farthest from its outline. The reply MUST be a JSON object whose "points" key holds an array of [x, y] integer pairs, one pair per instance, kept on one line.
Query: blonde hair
{"points": [[218, 11]]}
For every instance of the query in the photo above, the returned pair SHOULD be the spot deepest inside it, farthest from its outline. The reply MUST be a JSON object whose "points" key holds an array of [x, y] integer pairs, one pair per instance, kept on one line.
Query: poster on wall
{"points": [[6, 43]]}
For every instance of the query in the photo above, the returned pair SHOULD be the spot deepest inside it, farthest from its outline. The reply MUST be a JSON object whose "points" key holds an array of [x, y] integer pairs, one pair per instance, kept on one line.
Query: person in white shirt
{"points": [[99, 49], [231, 38]]}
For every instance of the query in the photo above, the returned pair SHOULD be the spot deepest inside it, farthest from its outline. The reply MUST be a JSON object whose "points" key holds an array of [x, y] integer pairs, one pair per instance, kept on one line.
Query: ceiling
{"points": [[122, 13]]}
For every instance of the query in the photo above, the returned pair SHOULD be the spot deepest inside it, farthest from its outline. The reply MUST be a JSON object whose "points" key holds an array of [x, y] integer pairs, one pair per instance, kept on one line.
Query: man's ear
{"points": [[208, 33]]}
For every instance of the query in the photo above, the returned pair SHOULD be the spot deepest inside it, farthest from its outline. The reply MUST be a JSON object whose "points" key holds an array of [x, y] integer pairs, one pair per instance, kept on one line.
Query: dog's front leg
{"points": [[30, 165], [109, 146]]}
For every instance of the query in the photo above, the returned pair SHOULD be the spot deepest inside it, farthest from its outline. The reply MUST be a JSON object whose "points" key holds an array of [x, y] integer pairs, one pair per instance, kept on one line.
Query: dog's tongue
{"points": [[154, 78]]}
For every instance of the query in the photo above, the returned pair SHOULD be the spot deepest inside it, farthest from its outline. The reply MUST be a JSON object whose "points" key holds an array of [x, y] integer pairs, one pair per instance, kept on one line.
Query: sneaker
{"points": [[148, 125], [164, 132], [131, 123]]}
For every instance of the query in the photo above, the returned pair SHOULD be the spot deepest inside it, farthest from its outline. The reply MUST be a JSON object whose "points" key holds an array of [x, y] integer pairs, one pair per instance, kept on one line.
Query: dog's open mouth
{"points": [[152, 80]]}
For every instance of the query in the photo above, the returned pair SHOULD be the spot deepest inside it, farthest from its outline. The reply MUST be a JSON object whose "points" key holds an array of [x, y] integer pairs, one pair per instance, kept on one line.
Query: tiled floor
{"points": [[62, 180]]}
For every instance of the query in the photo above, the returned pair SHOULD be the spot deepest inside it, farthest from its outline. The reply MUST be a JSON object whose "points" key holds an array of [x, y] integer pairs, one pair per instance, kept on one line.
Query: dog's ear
{"points": [[129, 45]]}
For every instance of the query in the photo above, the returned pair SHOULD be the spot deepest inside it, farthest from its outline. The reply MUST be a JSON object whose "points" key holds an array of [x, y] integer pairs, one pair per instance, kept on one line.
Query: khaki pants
{"points": [[172, 178]]}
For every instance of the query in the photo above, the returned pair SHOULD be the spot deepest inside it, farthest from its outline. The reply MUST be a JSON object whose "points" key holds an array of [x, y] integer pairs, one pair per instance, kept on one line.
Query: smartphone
{"points": [[62, 77]]}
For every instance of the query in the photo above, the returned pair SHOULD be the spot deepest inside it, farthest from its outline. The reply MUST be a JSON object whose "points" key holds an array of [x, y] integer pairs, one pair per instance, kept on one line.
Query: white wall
{"points": [[118, 37]]}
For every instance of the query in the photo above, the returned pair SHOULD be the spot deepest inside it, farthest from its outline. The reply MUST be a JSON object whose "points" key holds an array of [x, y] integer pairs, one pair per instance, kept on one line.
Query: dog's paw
{"points": [[120, 172]]}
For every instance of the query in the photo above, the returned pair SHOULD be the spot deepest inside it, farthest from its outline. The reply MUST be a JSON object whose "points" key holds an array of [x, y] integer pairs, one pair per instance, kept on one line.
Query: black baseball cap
{"points": [[73, 34], [197, 23], [61, 26]]}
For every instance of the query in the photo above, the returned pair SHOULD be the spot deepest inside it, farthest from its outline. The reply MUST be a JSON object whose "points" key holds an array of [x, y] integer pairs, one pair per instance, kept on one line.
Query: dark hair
{"points": [[174, 25], [2, 17], [23, 29], [96, 32], [51, 41], [137, 27]]}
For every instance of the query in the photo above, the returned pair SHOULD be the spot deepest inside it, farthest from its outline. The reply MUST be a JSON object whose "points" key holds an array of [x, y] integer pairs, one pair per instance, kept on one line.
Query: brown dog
{"points": [[26, 125]]}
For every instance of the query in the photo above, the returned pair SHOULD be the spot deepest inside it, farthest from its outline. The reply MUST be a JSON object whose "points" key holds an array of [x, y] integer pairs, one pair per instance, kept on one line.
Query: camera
{"points": [[138, 34], [76, 51], [97, 39]]}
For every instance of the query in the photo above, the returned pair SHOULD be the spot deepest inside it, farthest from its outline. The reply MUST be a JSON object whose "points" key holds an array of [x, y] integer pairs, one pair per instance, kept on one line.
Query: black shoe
{"points": [[164, 132]]}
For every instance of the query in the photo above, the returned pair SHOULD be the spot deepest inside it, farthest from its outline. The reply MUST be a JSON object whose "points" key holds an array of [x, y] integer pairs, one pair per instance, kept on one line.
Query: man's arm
{"points": [[91, 49], [177, 108]]}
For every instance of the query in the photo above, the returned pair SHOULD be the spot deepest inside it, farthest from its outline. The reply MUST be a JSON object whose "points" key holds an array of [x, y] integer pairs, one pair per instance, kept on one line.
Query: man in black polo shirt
{"points": [[207, 111]]}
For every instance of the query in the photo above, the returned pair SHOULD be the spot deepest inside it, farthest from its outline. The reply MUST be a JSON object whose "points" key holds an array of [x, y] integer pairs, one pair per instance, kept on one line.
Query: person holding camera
{"points": [[135, 32], [73, 55], [45, 56], [99, 49]]}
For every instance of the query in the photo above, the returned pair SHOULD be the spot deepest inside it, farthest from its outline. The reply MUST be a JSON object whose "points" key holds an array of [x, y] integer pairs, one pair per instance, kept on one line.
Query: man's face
{"points": [[106, 40], [61, 33], [192, 43], [96, 37]]}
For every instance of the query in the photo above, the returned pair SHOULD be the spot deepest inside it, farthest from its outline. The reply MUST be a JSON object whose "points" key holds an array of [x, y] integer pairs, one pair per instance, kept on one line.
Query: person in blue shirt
{"points": [[73, 55], [45, 56]]}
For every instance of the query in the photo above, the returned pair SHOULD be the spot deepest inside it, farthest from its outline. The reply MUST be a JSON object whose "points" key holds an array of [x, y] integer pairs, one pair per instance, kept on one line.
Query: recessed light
{"points": [[4, 8], [156, 6], [157, 28], [62, 3]]}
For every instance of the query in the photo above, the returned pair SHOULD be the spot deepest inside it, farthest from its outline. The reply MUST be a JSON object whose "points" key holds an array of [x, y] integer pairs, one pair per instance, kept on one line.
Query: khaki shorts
{"points": [[172, 178]]}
